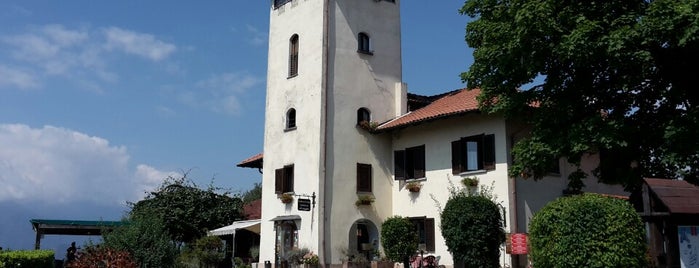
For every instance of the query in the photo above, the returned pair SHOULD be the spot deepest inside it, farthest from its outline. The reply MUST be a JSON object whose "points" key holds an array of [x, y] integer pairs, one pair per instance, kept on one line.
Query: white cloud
{"points": [[220, 92], [15, 78], [140, 44], [59, 165], [257, 37], [78, 55]]}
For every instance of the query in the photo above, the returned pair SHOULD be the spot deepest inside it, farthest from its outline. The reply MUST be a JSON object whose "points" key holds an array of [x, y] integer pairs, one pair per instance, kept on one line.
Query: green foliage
{"points": [[364, 199], [587, 231], [399, 238], [253, 194], [473, 229], [611, 70], [146, 239], [26, 258], [295, 256], [188, 211], [206, 252], [96, 256]]}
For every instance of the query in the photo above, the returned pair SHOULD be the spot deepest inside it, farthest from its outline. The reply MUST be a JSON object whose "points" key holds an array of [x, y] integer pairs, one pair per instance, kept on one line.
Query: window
{"points": [[424, 227], [291, 119], [363, 177], [294, 55], [409, 163], [364, 45], [363, 115], [278, 3], [284, 179], [473, 153]]}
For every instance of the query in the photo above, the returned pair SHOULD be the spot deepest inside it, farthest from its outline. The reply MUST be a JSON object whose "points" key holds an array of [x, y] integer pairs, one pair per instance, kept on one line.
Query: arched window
{"points": [[294, 55], [363, 115], [364, 44], [291, 119]]}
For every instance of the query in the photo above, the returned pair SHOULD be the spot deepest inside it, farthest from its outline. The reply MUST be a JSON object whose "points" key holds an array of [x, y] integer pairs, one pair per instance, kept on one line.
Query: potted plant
{"points": [[363, 200], [470, 182], [368, 125], [286, 198], [310, 260], [413, 186]]}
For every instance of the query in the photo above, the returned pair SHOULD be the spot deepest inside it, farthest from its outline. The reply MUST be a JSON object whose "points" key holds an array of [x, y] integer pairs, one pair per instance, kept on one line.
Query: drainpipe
{"points": [[322, 217]]}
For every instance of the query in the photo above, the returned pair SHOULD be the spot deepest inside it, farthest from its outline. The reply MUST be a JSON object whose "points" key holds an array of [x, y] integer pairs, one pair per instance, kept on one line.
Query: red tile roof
{"points": [[452, 103], [678, 196], [253, 210], [254, 161]]}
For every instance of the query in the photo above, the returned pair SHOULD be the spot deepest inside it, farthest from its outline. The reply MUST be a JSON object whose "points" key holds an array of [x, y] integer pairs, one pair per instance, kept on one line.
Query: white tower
{"points": [[332, 64]]}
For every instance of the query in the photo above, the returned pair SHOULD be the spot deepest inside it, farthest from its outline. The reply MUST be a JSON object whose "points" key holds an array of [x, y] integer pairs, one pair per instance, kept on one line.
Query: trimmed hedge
{"points": [[587, 230], [473, 229], [27, 258], [399, 239]]}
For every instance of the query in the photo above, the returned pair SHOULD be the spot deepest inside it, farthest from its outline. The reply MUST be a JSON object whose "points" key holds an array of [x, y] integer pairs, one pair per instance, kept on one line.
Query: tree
{"points": [[618, 79], [187, 211], [253, 194], [473, 237], [399, 239], [144, 237], [587, 230]]}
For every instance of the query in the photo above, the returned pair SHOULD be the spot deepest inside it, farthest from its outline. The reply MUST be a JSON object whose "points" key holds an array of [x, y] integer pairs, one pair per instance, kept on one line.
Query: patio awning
{"points": [[250, 225]]}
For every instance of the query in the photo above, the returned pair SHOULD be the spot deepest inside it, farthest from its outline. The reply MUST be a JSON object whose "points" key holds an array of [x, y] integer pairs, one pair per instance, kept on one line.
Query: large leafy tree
{"points": [[187, 211], [399, 239], [618, 79]]}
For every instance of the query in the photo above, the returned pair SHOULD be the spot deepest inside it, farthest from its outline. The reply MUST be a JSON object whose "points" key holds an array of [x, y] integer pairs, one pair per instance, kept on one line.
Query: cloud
{"points": [[81, 56], [140, 44], [257, 37], [220, 92], [59, 165], [10, 77]]}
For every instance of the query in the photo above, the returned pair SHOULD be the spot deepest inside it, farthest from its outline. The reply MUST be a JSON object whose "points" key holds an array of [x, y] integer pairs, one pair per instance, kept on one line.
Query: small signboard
{"points": [[304, 204], [516, 244]]}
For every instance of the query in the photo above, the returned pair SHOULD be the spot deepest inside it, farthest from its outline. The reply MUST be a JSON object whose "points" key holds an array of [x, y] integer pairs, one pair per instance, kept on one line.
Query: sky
{"points": [[100, 101]]}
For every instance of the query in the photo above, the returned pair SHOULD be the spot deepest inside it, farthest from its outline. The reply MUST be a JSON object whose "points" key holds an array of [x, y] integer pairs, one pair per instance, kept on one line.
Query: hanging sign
{"points": [[304, 204]]}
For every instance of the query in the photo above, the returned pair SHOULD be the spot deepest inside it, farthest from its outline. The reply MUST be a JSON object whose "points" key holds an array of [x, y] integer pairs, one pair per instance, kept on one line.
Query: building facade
{"points": [[340, 126]]}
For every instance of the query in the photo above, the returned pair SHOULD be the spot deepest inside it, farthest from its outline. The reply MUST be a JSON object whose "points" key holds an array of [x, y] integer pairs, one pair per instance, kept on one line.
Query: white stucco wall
{"points": [[302, 146]]}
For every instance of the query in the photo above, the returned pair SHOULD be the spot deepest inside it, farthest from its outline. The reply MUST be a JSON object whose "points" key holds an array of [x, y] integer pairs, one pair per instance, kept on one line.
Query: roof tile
{"points": [[452, 103]]}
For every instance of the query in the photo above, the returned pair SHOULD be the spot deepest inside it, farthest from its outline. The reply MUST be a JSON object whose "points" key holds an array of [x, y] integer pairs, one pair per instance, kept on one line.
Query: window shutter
{"points": [[289, 178], [363, 178], [456, 157], [399, 165], [279, 181], [419, 162], [429, 234], [489, 152]]}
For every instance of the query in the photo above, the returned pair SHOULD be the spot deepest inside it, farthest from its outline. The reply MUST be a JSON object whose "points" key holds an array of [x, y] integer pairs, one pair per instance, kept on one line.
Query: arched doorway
{"points": [[363, 239]]}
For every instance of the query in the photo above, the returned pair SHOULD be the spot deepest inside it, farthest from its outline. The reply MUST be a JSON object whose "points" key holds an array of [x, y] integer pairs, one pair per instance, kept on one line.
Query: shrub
{"points": [[587, 231], [146, 239], [473, 237], [295, 256], [27, 258], [399, 238], [95, 256]]}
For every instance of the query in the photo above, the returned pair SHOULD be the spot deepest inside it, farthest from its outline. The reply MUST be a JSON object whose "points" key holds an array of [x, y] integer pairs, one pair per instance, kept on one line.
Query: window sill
{"points": [[365, 52], [289, 129], [292, 76], [473, 172], [416, 180]]}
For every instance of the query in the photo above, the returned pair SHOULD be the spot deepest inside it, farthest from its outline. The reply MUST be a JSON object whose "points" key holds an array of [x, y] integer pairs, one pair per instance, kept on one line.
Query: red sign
{"points": [[518, 244]]}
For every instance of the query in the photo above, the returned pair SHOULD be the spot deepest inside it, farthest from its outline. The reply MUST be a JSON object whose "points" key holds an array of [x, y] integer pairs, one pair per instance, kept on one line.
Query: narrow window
{"points": [[364, 44], [409, 163], [291, 119], [363, 177], [473, 153], [424, 227], [363, 115], [284, 179], [294, 55], [278, 3]]}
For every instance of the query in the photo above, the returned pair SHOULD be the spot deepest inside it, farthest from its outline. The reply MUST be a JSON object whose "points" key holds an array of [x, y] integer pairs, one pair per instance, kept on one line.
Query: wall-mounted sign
{"points": [[304, 204]]}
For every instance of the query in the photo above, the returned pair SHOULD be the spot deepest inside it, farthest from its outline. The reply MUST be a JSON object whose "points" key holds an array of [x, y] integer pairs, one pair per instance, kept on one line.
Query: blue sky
{"points": [[101, 100]]}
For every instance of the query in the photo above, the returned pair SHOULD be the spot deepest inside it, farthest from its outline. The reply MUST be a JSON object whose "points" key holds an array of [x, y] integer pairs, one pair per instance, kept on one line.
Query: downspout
{"points": [[322, 187]]}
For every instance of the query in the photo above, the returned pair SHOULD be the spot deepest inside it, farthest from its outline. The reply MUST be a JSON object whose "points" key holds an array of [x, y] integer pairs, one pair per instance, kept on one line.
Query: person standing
{"points": [[70, 252]]}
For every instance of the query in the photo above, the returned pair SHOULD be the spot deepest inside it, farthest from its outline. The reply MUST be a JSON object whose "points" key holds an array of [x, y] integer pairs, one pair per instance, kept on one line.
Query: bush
{"points": [[399, 238], [472, 228], [26, 258], [587, 231], [96, 256], [146, 239]]}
